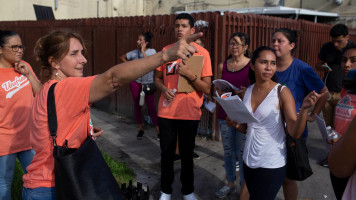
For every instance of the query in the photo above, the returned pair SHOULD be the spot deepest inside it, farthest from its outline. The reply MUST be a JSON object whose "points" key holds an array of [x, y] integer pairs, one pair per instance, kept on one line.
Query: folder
{"points": [[195, 64]]}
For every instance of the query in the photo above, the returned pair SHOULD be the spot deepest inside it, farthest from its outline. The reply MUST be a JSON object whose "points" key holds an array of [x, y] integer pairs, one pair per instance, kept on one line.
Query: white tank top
{"points": [[265, 140]]}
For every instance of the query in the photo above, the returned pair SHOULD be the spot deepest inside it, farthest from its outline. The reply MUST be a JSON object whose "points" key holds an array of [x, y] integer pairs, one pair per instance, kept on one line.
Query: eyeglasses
{"points": [[16, 48], [235, 44]]}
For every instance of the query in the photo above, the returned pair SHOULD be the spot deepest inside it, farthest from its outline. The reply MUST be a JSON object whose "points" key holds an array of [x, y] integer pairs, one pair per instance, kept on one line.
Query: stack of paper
{"points": [[236, 109], [223, 85]]}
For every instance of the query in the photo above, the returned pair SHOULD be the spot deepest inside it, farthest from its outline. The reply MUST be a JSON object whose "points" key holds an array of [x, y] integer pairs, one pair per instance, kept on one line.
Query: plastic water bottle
{"points": [[142, 98], [166, 103], [331, 133]]}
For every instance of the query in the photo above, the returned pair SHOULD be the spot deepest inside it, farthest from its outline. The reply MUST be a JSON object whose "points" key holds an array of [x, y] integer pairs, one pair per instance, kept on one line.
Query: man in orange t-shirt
{"points": [[179, 113]]}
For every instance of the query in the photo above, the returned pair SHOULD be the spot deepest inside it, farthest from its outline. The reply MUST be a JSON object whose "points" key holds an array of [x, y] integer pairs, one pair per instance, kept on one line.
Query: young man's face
{"points": [[182, 28], [340, 41]]}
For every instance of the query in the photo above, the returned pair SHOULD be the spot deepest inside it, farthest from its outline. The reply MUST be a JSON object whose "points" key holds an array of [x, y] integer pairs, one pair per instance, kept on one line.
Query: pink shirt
{"points": [[345, 111]]}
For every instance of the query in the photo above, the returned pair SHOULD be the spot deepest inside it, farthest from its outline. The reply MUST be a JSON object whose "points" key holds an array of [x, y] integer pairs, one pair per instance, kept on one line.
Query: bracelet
{"points": [[194, 79]]}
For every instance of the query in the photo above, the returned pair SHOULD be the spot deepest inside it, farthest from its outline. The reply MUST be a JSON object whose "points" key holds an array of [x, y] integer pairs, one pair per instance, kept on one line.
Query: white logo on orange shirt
{"points": [[169, 68], [344, 107], [15, 85]]}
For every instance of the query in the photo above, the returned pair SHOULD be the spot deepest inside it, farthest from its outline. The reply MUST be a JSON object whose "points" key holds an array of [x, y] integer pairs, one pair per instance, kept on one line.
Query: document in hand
{"points": [[195, 64], [236, 109], [323, 132], [224, 86]]}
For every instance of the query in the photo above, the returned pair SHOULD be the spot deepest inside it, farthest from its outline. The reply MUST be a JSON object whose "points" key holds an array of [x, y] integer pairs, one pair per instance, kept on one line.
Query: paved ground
{"points": [[119, 141]]}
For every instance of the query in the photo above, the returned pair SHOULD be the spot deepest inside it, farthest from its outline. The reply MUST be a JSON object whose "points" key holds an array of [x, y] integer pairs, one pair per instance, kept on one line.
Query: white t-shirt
{"points": [[265, 141]]}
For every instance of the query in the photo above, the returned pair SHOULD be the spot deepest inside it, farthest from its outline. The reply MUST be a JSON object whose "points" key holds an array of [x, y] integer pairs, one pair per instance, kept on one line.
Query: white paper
{"points": [[210, 106], [223, 85], [236, 109], [323, 132]]}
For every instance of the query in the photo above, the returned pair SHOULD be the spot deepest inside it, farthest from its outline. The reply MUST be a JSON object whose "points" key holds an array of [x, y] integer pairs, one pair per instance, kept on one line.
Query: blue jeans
{"points": [[41, 193], [233, 142], [7, 167]]}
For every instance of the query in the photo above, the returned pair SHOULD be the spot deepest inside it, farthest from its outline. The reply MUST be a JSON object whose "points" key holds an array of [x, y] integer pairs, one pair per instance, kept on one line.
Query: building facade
{"points": [[72, 9]]}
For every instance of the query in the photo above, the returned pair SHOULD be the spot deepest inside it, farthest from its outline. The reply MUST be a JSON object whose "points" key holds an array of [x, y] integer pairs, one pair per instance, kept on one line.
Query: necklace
{"points": [[234, 68]]}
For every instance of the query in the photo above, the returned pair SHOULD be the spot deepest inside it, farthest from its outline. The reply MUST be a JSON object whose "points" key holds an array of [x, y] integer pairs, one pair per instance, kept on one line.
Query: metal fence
{"points": [[109, 38]]}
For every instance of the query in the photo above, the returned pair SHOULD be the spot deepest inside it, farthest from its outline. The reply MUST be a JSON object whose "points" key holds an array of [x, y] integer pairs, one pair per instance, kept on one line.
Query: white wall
{"points": [[12, 10], [70, 9]]}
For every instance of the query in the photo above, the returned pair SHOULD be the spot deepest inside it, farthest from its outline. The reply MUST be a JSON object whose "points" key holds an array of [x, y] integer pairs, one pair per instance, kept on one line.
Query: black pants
{"points": [[263, 183], [186, 131], [339, 185]]}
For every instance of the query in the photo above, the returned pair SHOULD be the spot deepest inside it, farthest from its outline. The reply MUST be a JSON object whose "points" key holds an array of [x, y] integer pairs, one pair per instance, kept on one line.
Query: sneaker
{"points": [[224, 191], [176, 157], [165, 196], [196, 156], [237, 166], [158, 138], [324, 163], [190, 196], [140, 134]]}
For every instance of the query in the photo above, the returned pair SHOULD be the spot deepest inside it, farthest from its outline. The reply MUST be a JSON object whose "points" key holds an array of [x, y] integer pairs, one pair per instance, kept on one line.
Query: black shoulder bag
{"points": [[298, 167], [79, 173]]}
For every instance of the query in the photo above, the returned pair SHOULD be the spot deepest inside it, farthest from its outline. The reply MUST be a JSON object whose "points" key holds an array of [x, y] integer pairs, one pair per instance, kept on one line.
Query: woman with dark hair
{"points": [[265, 150], [62, 55], [234, 70], [19, 85], [143, 50], [301, 79]]}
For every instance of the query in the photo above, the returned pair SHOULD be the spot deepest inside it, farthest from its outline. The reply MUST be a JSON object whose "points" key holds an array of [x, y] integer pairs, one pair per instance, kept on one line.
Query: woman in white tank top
{"points": [[265, 152]]}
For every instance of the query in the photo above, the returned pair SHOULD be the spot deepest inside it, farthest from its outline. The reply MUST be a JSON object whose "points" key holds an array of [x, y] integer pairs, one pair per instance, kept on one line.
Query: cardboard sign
{"points": [[195, 64]]}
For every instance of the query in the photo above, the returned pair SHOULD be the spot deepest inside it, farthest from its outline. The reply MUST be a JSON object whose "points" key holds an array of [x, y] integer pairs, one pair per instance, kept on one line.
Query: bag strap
{"points": [[281, 107], [52, 113]]}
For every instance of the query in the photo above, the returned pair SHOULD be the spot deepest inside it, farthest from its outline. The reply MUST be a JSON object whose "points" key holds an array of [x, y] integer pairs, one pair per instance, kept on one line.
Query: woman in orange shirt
{"points": [[62, 55], [18, 88]]}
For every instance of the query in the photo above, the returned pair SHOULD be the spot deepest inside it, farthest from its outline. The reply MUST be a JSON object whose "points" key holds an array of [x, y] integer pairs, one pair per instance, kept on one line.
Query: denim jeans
{"points": [[7, 167], [41, 193], [233, 142]]}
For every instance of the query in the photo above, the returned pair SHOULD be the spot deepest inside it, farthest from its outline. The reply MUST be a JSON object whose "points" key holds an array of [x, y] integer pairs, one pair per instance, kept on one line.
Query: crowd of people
{"points": [[271, 83]]}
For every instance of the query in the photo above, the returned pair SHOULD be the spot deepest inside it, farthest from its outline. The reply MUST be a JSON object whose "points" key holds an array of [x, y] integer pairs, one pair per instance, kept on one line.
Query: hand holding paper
{"points": [[224, 86], [236, 109]]}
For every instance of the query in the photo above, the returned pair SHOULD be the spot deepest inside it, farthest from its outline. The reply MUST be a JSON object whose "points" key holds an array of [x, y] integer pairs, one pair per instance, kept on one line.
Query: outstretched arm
{"points": [[296, 123], [320, 104], [124, 73]]}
